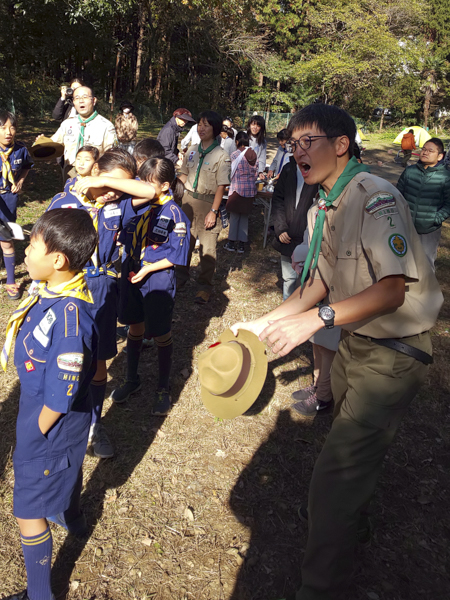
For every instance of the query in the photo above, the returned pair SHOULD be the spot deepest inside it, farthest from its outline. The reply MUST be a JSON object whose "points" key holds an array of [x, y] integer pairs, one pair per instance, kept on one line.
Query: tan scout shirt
{"points": [[99, 133], [215, 170], [368, 235]]}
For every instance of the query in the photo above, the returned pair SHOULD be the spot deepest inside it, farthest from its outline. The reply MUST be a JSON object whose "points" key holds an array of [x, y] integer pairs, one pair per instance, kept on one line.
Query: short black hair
{"points": [[69, 231], [5, 115], [331, 120], [437, 142], [117, 158], [163, 171], [214, 119], [148, 148], [283, 134], [93, 151], [242, 138]]}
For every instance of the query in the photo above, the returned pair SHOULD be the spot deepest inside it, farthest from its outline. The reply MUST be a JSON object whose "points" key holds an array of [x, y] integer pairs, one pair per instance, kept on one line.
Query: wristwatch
{"points": [[326, 313], [215, 211]]}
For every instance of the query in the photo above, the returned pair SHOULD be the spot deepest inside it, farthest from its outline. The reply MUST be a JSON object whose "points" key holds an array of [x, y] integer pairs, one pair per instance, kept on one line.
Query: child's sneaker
{"points": [[311, 406], [163, 403], [101, 444], [229, 246], [122, 393], [304, 393], [241, 248]]}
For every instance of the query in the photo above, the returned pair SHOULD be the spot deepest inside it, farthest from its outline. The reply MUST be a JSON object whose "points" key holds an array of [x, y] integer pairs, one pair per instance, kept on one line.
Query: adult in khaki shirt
{"points": [[382, 291], [205, 172]]}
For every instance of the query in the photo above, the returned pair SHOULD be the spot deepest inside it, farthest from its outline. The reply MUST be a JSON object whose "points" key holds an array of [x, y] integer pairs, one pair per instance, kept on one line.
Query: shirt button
{"points": [[332, 288], [31, 352], [332, 228], [28, 319], [40, 301], [46, 472], [348, 253]]}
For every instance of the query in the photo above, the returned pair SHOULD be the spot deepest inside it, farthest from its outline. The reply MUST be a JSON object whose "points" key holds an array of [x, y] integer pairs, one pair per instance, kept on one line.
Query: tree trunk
{"points": [[140, 44], [426, 106], [261, 80], [382, 119], [116, 77]]}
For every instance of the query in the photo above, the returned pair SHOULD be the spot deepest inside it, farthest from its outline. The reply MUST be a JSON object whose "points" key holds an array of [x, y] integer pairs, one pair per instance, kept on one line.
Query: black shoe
{"points": [[304, 393], [122, 393], [163, 403], [229, 246]]}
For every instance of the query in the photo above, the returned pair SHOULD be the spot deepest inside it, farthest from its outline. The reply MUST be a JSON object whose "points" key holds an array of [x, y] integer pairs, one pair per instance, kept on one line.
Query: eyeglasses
{"points": [[82, 97], [304, 142], [429, 151]]}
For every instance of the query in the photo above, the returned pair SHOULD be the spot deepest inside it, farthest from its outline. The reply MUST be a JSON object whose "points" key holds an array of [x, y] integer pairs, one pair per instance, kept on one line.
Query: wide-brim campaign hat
{"points": [[232, 373], [45, 149]]}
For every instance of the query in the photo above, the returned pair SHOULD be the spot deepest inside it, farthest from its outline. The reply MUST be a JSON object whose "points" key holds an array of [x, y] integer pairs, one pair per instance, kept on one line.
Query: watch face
{"points": [[326, 313]]}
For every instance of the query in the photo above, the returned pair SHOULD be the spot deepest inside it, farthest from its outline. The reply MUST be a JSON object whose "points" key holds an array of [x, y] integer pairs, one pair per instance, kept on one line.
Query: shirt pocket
{"points": [[346, 275], [44, 468], [209, 177]]}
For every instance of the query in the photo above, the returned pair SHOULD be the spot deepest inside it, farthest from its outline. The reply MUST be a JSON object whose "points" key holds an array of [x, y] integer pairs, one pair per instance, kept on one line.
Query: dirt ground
{"points": [[197, 508]]}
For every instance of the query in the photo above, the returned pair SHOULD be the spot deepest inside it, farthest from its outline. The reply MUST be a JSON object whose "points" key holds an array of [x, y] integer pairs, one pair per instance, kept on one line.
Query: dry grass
{"points": [[193, 507]]}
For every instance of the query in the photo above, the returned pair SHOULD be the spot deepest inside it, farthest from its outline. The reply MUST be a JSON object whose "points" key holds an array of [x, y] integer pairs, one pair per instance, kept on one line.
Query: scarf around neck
{"points": [[352, 168], [7, 175], [83, 123], [202, 153]]}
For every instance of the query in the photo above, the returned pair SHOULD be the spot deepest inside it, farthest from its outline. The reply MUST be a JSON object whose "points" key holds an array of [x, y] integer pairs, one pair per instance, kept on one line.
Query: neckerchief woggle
{"points": [[352, 168], [141, 231], [7, 175], [75, 288], [202, 153], [93, 209], [83, 123]]}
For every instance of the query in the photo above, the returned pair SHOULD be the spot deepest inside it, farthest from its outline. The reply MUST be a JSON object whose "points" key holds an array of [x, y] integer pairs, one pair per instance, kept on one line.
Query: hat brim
{"points": [[186, 117], [229, 408], [46, 150]]}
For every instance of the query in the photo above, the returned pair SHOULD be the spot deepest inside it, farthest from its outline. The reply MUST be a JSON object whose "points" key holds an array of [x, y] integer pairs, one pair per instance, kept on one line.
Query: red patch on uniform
{"points": [[155, 246], [29, 366], [212, 345]]}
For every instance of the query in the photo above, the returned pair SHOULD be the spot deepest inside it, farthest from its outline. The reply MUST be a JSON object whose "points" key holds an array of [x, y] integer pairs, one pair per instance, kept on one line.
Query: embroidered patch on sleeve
{"points": [[70, 361], [180, 229], [68, 377], [385, 212], [378, 201], [398, 245]]}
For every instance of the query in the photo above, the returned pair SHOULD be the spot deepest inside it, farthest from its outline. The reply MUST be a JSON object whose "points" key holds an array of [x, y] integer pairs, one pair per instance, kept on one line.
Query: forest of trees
{"points": [[271, 55]]}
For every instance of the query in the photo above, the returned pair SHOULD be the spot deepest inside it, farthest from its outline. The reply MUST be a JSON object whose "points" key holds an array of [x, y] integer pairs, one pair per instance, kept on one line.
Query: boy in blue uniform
{"points": [[55, 355], [154, 242], [15, 163], [109, 216]]}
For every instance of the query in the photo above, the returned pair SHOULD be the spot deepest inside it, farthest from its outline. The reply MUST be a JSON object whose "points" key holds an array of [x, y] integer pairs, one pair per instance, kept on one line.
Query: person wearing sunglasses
{"points": [[366, 259]]}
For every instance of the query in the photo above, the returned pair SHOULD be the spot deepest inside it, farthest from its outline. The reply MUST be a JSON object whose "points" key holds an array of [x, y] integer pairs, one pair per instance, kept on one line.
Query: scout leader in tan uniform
{"points": [[205, 172], [385, 297]]}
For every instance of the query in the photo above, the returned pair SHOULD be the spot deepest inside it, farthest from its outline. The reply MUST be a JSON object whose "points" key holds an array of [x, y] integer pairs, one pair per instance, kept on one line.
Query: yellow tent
{"points": [[362, 136], [421, 136]]}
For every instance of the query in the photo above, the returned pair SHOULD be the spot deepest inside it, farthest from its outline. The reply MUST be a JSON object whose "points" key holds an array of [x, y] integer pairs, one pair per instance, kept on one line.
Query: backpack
{"points": [[408, 142]]}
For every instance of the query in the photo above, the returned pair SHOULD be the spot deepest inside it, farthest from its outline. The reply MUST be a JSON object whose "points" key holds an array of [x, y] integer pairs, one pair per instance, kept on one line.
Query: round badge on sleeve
{"points": [[398, 245]]}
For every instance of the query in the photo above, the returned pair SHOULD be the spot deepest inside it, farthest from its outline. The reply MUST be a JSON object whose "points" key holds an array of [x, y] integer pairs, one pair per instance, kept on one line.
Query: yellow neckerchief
{"points": [[140, 233], [75, 288], [6, 167], [93, 209]]}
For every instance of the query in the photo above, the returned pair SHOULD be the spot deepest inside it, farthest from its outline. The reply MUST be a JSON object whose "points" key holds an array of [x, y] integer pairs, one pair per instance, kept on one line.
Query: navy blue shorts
{"points": [[150, 301], [105, 292], [8, 208]]}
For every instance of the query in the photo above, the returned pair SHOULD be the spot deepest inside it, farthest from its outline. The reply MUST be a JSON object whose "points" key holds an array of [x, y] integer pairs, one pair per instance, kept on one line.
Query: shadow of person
{"points": [[9, 408], [266, 498], [131, 425]]}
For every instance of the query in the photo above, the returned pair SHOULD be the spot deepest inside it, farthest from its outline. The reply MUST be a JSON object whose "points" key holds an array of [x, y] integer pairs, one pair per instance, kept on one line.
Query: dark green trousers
{"points": [[372, 387]]}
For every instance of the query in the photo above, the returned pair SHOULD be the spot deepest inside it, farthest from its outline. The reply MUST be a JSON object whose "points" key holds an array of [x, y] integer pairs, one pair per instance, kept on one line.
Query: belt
{"points": [[399, 346], [204, 197], [97, 271]]}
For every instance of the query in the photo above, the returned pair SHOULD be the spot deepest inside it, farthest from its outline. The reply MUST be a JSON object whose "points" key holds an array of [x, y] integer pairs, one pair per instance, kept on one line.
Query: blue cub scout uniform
{"points": [[167, 236], [19, 160], [101, 277], [55, 357]]}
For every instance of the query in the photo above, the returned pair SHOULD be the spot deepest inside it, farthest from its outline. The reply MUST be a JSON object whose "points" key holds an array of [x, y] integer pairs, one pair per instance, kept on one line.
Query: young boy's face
{"points": [[282, 143], [319, 162], [7, 134], [84, 163], [40, 265], [106, 194]]}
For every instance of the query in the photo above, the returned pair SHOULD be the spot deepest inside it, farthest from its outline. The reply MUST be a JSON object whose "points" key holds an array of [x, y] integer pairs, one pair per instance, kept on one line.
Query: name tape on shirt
{"points": [[47, 321], [159, 231], [385, 212], [112, 213], [163, 222], [398, 245], [41, 337], [378, 201], [70, 361]]}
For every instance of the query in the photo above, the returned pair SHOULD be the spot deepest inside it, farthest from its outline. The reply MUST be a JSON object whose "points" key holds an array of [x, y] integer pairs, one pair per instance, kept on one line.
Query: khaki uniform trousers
{"points": [[372, 387], [196, 211]]}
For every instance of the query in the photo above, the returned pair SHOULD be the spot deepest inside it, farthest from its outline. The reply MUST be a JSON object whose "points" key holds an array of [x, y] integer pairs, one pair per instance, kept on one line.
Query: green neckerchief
{"points": [[352, 168], [202, 153], [83, 123]]}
